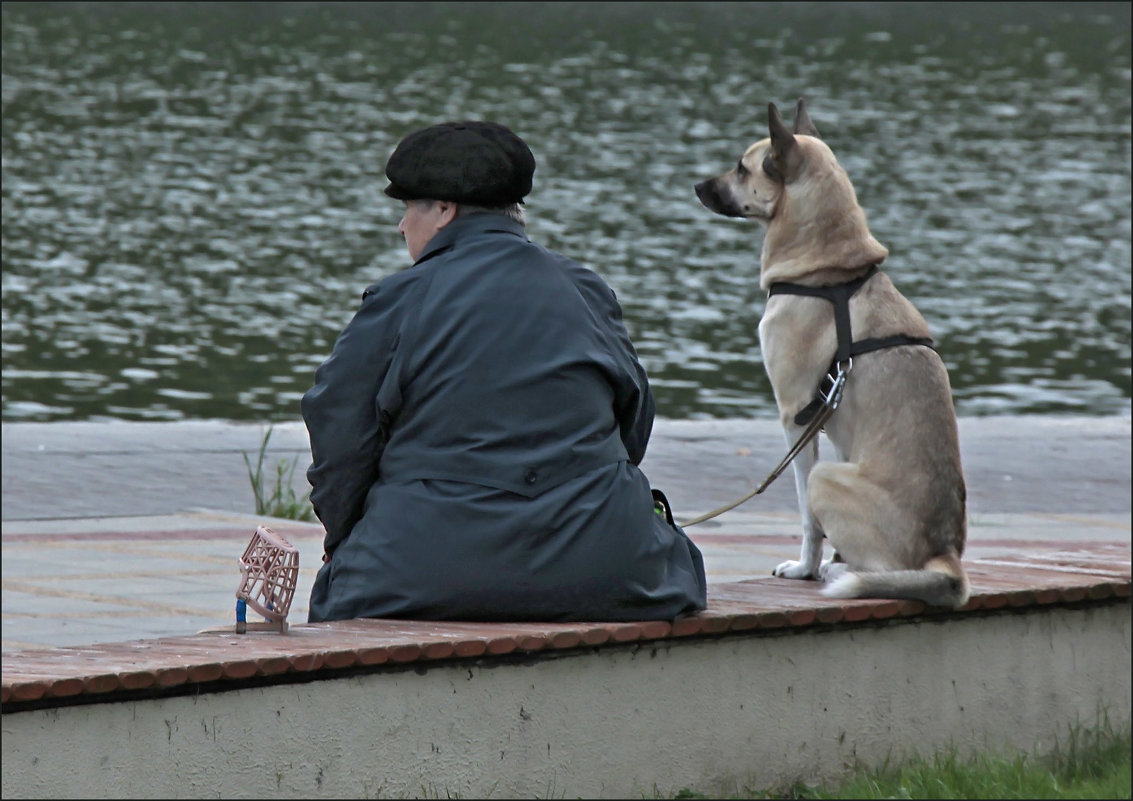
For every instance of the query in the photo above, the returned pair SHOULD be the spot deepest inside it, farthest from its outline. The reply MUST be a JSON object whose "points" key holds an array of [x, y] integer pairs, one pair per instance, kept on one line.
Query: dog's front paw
{"points": [[793, 570]]}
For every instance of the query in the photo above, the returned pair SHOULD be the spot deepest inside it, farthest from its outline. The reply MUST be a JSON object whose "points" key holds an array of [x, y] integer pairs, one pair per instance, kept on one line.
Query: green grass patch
{"points": [[1093, 763]]}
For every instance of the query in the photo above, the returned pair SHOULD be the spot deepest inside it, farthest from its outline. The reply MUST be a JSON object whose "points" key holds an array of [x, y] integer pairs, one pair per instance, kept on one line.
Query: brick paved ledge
{"points": [[213, 662]]}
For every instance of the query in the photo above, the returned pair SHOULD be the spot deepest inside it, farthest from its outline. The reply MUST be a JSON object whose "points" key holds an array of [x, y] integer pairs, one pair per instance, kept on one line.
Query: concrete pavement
{"points": [[117, 531]]}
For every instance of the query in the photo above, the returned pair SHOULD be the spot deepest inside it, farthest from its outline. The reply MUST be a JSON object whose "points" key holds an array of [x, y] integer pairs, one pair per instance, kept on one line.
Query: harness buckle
{"points": [[833, 396]]}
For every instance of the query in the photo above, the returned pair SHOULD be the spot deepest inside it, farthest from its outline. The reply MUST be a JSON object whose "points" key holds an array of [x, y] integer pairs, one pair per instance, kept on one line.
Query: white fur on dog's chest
{"points": [[798, 340]]}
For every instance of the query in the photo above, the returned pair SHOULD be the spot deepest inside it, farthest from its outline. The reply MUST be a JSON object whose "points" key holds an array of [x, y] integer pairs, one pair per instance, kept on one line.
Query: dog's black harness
{"points": [[839, 296], [814, 416]]}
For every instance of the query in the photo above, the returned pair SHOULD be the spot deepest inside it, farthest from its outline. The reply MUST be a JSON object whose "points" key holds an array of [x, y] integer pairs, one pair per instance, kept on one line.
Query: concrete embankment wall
{"points": [[759, 708]]}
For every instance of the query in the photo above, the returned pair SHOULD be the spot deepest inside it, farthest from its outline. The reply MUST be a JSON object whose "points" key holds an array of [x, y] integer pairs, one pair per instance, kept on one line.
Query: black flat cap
{"points": [[479, 163]]}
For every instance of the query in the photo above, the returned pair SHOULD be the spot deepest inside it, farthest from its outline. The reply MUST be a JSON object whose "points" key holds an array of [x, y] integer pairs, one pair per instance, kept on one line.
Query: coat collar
{"points": [[473, 224]]}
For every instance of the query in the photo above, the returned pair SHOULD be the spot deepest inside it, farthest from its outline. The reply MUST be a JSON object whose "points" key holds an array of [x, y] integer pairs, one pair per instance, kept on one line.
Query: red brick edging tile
{"points": [[59, 676]]}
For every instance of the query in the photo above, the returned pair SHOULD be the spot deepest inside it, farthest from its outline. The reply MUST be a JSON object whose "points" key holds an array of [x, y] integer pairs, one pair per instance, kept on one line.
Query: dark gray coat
{"points": [[475, 435]]}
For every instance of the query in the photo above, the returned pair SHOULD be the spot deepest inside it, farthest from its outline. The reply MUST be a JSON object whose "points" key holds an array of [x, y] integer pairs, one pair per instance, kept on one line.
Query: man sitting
{"points": [[476, 431]]}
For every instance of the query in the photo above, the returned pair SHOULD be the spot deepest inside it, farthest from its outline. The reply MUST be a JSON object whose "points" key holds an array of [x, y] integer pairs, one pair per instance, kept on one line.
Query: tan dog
{"points": [[893, 506]]}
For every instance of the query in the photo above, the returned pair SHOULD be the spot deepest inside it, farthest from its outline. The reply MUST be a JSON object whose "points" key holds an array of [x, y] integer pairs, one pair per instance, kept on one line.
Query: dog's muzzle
{"points": [[712, 199]]}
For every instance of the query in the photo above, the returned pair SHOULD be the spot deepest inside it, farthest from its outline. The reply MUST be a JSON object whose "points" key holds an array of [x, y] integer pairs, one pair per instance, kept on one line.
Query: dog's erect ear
{"points": [[782, 140], [803, 125], [783, 159]]}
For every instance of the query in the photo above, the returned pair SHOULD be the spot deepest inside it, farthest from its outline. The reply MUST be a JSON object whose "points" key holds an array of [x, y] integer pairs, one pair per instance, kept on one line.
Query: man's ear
{"points": [[447, 210]]}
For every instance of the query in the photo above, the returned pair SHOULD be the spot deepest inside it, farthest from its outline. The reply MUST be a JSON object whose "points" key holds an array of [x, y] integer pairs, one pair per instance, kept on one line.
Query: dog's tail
{"points": [[941, 582]]}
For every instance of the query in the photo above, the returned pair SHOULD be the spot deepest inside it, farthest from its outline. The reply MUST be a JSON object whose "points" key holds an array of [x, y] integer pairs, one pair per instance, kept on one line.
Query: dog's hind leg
{"points": [[810, 555], [884, 556], [863, 523]]}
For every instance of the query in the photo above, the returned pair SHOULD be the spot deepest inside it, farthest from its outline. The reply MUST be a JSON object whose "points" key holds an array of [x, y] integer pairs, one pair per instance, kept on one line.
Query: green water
{"points": [[192, 191]]}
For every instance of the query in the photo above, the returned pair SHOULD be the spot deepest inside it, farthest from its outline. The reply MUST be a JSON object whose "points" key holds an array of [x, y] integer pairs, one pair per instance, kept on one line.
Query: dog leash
{"points": [[830, 401]]}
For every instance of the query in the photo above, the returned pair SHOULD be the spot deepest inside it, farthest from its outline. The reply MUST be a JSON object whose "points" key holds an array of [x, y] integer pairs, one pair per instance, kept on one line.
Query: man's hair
{"points": [[512, 210]]}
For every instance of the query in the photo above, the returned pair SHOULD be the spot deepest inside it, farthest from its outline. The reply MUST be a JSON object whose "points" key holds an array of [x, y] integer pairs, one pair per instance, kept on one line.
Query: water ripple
{"points": [[192, 204]]}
